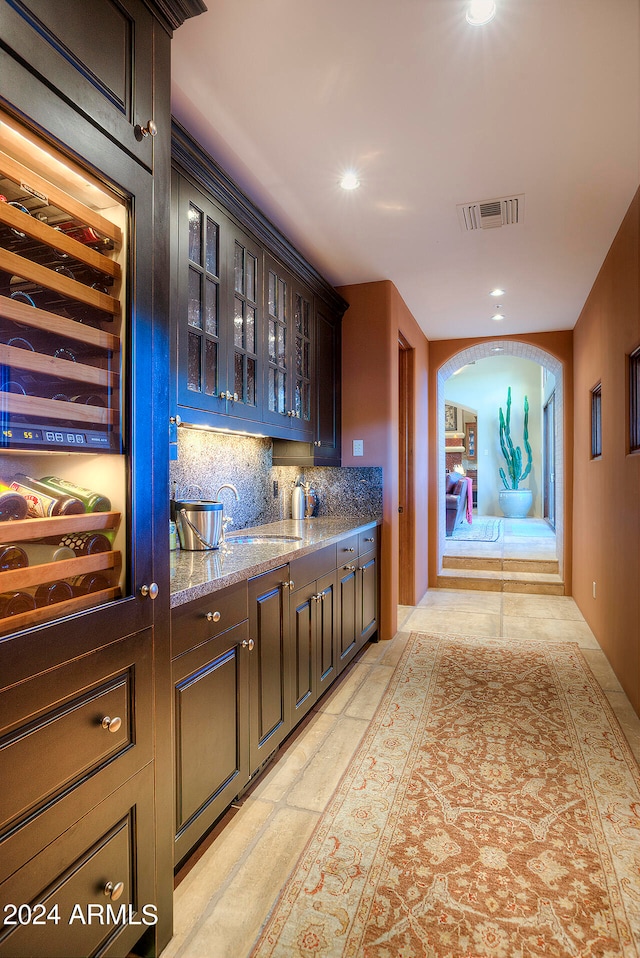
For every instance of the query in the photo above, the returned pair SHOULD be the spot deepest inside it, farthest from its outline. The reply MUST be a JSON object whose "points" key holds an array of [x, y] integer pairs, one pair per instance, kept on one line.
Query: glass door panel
{"points": [[64, 451], [202, 302]]}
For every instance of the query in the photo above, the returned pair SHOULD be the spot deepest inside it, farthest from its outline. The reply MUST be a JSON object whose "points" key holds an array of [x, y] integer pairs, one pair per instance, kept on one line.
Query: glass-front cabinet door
{"points": [[289, 317], [244, 398], [67, 478]]}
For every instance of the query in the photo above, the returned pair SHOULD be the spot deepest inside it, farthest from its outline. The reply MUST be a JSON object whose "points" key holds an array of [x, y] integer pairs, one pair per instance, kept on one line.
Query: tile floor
{"points": [[517, 539], [223, 900]]}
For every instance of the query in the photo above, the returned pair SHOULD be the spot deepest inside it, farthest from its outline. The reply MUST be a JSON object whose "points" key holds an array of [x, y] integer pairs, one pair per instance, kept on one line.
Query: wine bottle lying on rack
{"points": [[93, 501], [82, 543], [13, 557], [42, 501], [12, 504], [41, 298], [51, 592], [38, 553], [89, 582], [13, 603]]}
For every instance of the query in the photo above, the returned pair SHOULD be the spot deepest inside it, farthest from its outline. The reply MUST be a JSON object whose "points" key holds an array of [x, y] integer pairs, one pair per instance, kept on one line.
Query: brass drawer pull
{"points": [[350, 568], [250, 644], [349, 550], [114, 891], [288, 584], [212, 616], [111, 724], [369, 540]]}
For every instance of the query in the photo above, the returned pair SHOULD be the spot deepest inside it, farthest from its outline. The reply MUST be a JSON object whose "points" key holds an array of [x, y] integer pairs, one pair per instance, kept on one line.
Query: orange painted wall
{"points": [[558, 344], [607, 490], [376, 315]]}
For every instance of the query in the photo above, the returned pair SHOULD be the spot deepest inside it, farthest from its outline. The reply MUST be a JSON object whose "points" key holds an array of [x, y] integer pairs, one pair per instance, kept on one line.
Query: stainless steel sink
{"points": [[238, 537]]}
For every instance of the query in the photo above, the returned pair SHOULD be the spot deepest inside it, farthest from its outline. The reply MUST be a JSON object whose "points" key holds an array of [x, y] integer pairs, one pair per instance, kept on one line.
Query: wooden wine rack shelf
{"points": [[58, 240], [25, 530], [71, 288], [22, 174], [14, 403], [42, 319], [14, 623], [60, 368], [13, 580]]}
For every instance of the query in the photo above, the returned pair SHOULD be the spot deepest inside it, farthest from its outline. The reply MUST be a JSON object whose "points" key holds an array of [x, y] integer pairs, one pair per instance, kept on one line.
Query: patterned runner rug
{"points": [[492, 809], [480, 530]]}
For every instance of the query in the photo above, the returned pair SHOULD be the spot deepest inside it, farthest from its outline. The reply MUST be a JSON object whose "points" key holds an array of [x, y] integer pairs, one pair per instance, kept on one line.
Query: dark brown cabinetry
{"points": [[269, 666], [85, 729], [251, 660], [257, 330]]}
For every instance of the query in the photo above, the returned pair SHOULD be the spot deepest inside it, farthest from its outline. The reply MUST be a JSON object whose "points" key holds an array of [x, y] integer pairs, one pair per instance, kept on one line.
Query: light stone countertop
{"points": [[196, 574]]}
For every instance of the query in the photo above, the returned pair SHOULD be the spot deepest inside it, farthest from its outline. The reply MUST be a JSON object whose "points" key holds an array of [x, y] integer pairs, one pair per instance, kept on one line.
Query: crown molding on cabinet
{"points": [[173, 13], [196, 164]]}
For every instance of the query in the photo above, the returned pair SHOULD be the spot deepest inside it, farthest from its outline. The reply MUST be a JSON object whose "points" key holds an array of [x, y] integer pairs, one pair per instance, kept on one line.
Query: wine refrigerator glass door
{"points": [[65, 449]]}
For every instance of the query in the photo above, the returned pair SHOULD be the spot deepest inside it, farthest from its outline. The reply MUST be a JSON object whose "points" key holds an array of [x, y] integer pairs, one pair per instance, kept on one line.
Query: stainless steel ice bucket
{"points": [[199, 523]]}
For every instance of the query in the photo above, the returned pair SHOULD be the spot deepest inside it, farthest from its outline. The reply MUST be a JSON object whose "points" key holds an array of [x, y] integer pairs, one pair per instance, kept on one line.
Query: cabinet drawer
{"points": [[204, 618], [59, 753], [310, 567], [347, 550], [367, 541], [113, 843]]}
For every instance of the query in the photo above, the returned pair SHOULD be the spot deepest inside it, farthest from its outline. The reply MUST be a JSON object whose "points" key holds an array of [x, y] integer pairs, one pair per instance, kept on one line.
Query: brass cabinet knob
{"points": [[369, 540], [114, 891], [212, 616], [111, 724], [250, 644], [288, 584], [350, 568], [149, 590], [349, 550], [143, 131]]}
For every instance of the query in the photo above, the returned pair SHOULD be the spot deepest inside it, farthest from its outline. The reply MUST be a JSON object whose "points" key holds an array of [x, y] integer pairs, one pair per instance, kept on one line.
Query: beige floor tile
{"points": [[459, 600], [541, 606], [320, 777], [463, 623], [367, 699], [211, 873], [283, 773], [403, 612], [599, 665], [336, 701], [628, 719], [391, 651], [236, 916], [550, 630]]}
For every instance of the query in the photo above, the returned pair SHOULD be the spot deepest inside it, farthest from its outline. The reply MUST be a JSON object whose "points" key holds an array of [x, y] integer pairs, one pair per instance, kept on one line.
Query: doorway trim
{"points": [[406, 470], [486, 350]]}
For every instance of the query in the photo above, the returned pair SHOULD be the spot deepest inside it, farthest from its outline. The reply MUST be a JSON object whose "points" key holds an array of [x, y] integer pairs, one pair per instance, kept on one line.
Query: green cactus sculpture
{"points": [[513, 454]]}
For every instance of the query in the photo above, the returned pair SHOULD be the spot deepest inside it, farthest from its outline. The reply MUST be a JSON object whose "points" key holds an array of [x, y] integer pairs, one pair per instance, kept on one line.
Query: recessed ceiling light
{"points": [[496, 349], [499, 316], [350, 180], [480, 12], [497, 292]]}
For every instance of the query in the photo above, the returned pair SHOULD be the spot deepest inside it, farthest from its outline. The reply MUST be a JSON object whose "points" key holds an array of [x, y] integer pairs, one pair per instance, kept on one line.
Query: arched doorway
{"points": [[486, 350]]}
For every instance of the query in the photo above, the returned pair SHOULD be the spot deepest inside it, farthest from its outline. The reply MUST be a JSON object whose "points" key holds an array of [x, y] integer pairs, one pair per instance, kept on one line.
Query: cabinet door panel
{"points": [[211, 732], [368, 604], [113, 843], [244, 317], [348, 599], [97, 53], [270, 680], [303, 650], [327, 631]]}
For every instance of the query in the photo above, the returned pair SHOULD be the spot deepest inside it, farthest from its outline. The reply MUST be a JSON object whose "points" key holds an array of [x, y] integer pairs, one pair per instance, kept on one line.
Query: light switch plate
{"points": [[358, 447]]}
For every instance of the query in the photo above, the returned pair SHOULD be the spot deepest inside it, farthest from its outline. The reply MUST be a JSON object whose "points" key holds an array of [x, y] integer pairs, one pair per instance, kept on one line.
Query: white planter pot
{"points": [[515, 503]]}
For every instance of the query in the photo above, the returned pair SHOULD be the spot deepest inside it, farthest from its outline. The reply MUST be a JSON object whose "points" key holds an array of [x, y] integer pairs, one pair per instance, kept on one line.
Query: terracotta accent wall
{"points": [[607, 490], [557, 344], [376, 316]]}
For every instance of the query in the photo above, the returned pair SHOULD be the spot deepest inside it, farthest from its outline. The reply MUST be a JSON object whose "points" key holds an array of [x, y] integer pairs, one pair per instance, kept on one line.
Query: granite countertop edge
{"points": [[197, 574]]}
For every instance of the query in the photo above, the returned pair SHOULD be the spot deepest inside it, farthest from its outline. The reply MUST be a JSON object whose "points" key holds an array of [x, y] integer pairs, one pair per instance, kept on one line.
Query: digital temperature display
{"points": [[24, 436]]}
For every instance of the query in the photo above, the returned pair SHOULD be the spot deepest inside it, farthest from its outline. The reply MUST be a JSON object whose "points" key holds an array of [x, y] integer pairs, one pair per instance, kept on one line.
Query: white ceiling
{"points": [[432, 112]]}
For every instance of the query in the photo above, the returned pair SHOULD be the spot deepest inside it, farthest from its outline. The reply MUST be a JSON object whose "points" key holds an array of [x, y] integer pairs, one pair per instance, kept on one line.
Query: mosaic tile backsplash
{"points": [[206, 460]]}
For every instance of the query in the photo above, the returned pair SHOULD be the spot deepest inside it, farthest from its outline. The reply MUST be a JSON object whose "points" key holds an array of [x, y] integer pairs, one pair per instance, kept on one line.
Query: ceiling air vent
{"points": [[489, 214]]}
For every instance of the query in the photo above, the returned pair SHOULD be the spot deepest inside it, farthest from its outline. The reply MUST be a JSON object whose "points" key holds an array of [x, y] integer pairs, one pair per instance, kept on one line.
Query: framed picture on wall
{"points": [[471, 440], [450, 418]]}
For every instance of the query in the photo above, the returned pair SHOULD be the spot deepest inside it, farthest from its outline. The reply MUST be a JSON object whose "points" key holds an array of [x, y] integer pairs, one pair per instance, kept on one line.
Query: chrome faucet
{"points": [[226, 520]]}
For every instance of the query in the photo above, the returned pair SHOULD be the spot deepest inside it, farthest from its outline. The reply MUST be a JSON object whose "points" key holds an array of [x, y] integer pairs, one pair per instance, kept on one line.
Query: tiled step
{"points": [[501, 580], [499, 564]]}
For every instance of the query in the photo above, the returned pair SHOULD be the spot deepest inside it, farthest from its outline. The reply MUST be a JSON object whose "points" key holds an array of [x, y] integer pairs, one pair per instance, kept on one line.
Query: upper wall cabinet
{"points": [[100, 56], [257, 330]]}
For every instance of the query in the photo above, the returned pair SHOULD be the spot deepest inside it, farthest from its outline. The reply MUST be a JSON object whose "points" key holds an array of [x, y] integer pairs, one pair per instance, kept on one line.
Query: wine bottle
{"points": [[13, 603], [43, 501], [93, 501], [51, 592], [89, 582], [12, 557], [12, 504], [40, 552], [82, 543]]}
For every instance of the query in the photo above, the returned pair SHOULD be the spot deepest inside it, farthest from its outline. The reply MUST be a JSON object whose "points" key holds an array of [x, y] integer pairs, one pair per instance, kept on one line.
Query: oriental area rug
{"points": [[482, 529], [491, 809]]}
